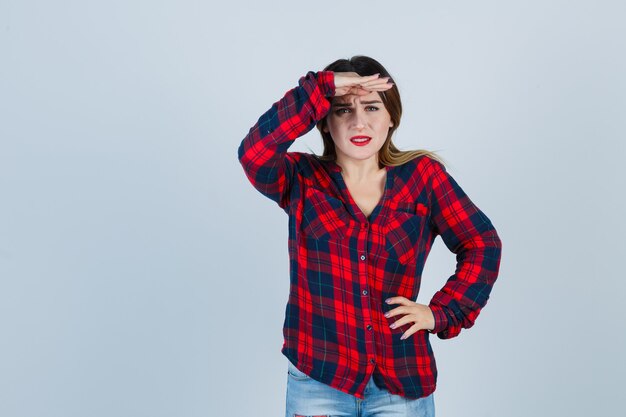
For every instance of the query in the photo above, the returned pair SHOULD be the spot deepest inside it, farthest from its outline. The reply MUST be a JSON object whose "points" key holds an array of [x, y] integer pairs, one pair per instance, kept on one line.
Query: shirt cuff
{"points": [[326, 83], [441, 319]]}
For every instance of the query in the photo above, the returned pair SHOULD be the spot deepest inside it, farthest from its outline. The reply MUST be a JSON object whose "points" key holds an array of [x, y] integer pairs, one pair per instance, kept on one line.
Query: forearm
{"points": [[457, 305], [263, 152], [468, 233]]}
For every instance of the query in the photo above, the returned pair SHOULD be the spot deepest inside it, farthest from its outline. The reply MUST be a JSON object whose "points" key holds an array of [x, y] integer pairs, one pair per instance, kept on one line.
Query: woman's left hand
{"points": [[419, 314]]}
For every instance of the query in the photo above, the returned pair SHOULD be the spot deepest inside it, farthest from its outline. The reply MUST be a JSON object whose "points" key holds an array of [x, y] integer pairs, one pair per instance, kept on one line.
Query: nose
{"points": [[359, 119]]}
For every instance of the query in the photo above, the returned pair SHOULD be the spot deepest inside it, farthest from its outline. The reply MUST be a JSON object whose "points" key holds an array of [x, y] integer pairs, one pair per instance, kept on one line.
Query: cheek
{"points": [[335, 128], [383, 128]]}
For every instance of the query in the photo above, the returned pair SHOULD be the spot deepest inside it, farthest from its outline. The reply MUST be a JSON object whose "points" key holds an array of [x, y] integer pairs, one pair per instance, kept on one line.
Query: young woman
{"points": [[362, 219]]}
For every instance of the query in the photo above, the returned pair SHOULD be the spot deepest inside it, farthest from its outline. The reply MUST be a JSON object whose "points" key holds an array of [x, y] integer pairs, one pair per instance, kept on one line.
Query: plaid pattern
{"points": [[344, 265]]}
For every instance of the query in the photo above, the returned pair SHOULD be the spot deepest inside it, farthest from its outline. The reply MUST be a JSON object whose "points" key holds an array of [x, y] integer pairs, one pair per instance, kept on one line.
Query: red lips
{"points": [[360, 140]]}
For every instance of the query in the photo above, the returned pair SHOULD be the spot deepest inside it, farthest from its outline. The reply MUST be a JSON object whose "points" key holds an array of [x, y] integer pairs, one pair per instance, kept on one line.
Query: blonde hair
{"points": [[391, 156]]}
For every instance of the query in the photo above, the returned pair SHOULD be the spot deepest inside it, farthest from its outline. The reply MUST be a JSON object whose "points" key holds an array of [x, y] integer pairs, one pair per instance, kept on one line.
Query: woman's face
{"points": [[358, 126]]}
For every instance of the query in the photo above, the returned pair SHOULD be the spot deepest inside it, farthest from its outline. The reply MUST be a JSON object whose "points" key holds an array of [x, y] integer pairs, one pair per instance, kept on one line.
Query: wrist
{"points": [[440, 319], [326, 83]]}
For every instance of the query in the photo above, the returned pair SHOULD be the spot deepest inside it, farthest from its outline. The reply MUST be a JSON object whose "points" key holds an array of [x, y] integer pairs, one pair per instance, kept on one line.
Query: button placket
{"points": [[370, 347]]}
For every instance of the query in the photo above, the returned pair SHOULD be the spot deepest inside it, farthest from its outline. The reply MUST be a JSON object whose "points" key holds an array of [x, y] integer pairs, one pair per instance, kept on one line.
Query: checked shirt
{"points": [[343, 265]]}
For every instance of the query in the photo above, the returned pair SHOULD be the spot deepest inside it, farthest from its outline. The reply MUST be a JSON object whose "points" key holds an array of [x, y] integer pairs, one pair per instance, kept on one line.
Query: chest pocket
{"points": [[323, 216], [405, 226]]}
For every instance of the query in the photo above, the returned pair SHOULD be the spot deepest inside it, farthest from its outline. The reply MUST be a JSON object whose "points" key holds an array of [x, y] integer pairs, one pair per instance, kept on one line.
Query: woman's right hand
{"points": [[352, 83]]}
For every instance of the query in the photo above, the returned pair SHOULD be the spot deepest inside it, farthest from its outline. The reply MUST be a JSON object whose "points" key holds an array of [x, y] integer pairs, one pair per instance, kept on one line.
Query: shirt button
{"points": [[369, 327], [364, 225], [362, 257], [372, 361], [364, 292]]}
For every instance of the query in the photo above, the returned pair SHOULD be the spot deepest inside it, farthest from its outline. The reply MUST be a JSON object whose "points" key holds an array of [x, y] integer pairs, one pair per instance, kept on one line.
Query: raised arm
{"points": [[263, 152], [469, 234]]}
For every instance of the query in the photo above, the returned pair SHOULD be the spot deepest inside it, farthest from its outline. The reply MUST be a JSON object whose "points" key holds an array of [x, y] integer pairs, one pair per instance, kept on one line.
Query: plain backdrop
{"points": [[142, 275]]}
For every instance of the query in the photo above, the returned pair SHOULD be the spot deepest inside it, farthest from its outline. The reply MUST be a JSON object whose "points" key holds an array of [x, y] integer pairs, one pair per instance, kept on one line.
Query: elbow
{"points": [[241, 152], [243, 155], [491, 255], [489, 240], [495, 243], [492, 249]]}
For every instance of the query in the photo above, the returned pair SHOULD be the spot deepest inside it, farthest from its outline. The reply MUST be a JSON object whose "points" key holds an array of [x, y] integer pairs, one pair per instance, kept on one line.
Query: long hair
{"points": [[389, 154]]}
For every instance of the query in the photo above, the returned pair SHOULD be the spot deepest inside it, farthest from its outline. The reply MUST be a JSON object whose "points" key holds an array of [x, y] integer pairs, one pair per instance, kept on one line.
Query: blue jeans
{"points": [[308, 397]]}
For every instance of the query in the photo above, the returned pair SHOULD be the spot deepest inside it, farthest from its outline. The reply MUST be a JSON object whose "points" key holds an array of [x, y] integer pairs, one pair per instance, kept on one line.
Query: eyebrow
{"points": [[363, 102]]}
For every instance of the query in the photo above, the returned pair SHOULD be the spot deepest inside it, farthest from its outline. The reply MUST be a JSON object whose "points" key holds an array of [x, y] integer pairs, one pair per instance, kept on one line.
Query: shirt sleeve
{"points": [[263, 152], [468, 233]]}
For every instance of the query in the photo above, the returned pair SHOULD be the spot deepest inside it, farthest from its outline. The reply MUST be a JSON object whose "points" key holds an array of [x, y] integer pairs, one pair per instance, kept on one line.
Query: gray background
{"points": [[142, 275]]}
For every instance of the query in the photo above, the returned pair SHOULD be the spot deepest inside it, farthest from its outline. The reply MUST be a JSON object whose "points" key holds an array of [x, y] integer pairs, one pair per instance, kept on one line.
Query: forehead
{"points": [[353, 99]]}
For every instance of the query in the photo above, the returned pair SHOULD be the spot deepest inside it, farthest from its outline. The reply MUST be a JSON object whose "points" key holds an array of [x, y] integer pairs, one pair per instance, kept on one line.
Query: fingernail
{"points": [[387, 314], [392, 325], [403, 337], [388, 300]]}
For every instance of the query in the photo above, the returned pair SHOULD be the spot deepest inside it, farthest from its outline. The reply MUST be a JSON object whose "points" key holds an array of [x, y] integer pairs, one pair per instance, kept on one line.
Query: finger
{"points": [[380, 87], [375, 81], [397, 300], [364, 78], [347, 91], [359, 91], [366, 83], [377, 84], [412, 330], [395, 312], [348, 79], [409, 318]]}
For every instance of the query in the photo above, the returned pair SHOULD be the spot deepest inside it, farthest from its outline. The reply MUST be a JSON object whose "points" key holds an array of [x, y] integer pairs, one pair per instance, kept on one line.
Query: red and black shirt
{"points": [[344, 265]]}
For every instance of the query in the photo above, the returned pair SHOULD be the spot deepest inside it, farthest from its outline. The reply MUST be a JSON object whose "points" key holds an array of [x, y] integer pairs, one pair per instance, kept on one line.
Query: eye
{"points": [[371, 108], [342, 110]]}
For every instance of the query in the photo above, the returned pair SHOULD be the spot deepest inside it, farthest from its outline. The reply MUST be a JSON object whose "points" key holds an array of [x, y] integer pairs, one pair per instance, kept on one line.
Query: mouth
{"points": [[360, 140]]}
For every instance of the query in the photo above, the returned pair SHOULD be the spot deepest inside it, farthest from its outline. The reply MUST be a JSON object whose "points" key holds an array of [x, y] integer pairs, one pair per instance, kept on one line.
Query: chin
{"points": [[356, 154]]}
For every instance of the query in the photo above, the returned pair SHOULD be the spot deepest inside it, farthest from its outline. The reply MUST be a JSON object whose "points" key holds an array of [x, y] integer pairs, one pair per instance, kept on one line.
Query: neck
{"points": [[359, 170]]}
